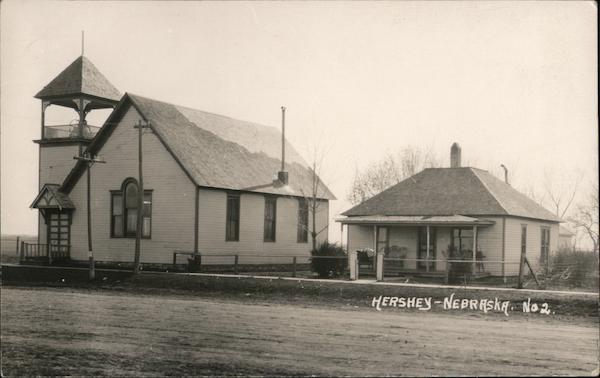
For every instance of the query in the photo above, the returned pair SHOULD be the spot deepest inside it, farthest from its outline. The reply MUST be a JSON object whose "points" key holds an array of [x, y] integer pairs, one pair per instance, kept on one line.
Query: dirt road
{"points": [[60, 332]]}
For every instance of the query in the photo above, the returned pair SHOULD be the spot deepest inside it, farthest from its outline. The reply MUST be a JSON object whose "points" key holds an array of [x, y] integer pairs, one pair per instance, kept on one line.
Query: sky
{"points": [[514, 83]]}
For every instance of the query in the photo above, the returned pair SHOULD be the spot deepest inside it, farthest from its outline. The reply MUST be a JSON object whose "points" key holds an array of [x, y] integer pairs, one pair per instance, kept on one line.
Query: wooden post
{"points": [[353, 265], [81, 118], [474, 250], [379, 262], [375, 238], [138, 234], [89, 224], [523, 252], [532, 272], [89, 161], [375, 248], [174, 259], [45, 104], [427, 251], [294, 267], [521, 263], [235, 264], [17, 250], [22, 251], [140, 206]]}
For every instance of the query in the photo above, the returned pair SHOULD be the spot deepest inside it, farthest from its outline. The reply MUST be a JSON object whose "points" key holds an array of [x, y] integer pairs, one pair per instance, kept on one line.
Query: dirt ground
{"points": [[77, 332]]}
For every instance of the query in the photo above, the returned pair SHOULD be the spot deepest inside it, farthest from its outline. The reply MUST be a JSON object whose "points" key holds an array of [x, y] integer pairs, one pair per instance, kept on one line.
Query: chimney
{"points": [[505, 173], [455, 156], [282, 175]]}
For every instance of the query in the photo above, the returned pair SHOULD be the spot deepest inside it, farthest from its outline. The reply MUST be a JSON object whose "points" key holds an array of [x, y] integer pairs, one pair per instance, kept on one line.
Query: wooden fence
{"points": [[43, 253]]}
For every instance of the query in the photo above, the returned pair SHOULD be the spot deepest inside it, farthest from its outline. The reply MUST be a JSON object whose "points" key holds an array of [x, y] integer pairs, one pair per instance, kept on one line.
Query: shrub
{"points": [[329, 267], [574, 268], [458, 271]]}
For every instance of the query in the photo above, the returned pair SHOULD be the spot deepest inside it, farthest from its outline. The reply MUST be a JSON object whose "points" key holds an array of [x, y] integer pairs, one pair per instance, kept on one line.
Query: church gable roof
{"points": [[80, 77], [51, 197], [450, 191], [216, 151]]}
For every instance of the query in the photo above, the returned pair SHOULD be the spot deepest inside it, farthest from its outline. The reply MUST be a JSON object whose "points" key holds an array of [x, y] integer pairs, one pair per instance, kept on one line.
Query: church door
{"points": [[59, 233]]}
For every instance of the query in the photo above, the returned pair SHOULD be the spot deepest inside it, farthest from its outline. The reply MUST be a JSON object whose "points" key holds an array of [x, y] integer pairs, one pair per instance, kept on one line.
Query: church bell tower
{"points": [[82, 88]]}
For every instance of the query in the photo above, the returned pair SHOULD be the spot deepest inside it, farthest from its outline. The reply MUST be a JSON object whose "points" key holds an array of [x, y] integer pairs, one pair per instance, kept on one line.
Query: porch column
{"points": [[375, 238], [474, 248], [427, 251], [379, 263], [375, 247], [353, 265]]}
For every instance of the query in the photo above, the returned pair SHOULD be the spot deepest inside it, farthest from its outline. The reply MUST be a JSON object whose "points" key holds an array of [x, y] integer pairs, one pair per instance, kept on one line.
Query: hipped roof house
{"points": [[453, 193], [455, 211]]}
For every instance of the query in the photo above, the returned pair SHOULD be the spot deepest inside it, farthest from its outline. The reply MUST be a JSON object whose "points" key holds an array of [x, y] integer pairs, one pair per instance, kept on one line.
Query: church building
{"points": [[212, 185]]}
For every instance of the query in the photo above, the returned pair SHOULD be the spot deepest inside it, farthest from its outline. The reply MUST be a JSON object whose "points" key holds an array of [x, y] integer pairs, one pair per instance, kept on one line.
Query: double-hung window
{"points": [[232, 225], [462, 241], [302, 220], [545, 244], [270, 218], [124, 211]]}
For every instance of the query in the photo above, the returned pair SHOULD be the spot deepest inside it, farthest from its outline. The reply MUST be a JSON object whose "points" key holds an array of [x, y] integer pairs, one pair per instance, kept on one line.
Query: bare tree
{"points": [[389, 171], [561, 191], [314, 195], [586, 218], [532, 192]]}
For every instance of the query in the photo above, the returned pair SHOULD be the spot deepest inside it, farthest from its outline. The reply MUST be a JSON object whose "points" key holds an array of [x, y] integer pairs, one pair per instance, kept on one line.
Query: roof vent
{"points": [[455, 156]]}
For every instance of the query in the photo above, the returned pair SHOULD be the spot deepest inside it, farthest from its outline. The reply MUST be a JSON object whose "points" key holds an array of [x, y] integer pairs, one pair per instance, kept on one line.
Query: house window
{"points": [[462, 241], [124, 211], [545, 244], [302, 221], [131, 208], [270, 218], [523, 239], [383, 240], [232, 225]]}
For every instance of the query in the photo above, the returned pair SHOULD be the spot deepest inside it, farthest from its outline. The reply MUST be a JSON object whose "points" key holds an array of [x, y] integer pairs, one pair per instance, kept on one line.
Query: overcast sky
{"points": [[511, 82]]}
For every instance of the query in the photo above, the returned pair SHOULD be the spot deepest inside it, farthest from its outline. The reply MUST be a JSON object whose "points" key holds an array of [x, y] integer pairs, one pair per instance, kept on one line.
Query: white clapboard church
{"points": [[211, 184]]}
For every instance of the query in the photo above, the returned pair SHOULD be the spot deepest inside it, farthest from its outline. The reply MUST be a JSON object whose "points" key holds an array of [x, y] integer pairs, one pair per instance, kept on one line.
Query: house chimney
{"points": [[282, 175], [455, 156], [505, 173]]}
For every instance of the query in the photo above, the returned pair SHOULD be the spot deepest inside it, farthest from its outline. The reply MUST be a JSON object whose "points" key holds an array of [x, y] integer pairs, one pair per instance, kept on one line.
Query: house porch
{"points": [[419, 245]]}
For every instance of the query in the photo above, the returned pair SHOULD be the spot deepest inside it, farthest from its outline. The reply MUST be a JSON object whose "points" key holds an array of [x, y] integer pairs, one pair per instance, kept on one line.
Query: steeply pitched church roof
{"points": [[216, 151], [80, 77], [449, 191]]}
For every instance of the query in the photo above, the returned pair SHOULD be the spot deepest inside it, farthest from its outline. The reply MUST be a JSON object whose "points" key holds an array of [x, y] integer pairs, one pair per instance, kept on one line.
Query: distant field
{"points": [[8, 247], [65, 332]]}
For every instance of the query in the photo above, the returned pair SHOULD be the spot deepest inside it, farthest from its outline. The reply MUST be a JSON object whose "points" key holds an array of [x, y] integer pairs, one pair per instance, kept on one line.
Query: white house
{"points": [[441, 212]]}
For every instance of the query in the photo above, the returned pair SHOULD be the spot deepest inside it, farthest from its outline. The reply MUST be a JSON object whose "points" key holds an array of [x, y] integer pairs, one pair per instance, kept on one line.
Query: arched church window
{"points": [[124, 211]]}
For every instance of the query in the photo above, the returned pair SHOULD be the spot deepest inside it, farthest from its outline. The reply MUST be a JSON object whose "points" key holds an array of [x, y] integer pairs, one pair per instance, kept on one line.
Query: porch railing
{"points": [[70, 131], [43, 253]]}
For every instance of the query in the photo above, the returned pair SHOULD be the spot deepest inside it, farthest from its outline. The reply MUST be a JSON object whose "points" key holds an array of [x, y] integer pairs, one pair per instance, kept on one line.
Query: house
{"points": [[450, 212], [212, 185]]}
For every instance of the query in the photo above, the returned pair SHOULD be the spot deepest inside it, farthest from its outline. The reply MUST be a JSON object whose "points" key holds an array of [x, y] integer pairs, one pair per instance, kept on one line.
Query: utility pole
{"points": [[138, 235], [89, 160]]}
